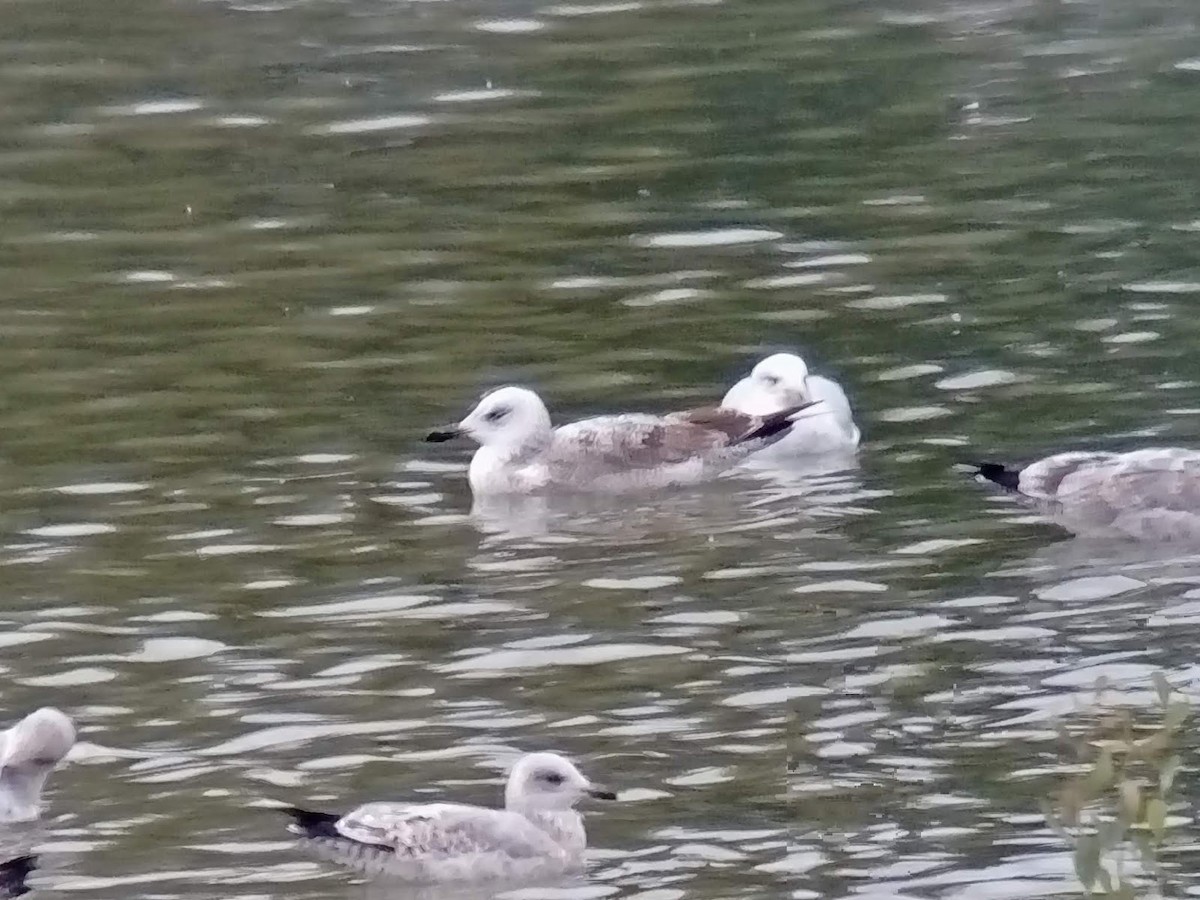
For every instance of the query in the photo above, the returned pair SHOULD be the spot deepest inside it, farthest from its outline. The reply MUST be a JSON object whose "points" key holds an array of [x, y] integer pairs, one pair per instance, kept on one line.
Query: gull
{"points": [[29, 751], [537, 835], [781, 381], [13, 874], [521, 452], [1147, 495]]}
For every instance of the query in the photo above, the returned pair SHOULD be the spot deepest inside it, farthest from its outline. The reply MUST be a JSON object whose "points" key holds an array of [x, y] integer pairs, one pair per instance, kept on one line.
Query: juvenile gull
{"points": [[13, 874], [1146, 495], [537, 835], [521, 452], [781, 381], [28, 752]]}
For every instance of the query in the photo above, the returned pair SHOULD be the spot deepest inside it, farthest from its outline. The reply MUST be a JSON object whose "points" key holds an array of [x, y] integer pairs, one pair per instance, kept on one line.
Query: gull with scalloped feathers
{"points": [[783, 380], [538, 835], [1149, 495], [521, 452]]}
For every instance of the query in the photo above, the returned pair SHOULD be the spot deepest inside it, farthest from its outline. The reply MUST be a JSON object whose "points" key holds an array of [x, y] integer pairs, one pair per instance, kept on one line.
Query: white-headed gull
{"points": [[537, 835], [521, 452], [781, 381]]}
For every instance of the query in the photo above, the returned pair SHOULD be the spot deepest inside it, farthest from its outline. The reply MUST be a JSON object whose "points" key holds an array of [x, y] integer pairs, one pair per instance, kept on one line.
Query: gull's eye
{"points": [[496, 414], [770, 380], [552, 778]]}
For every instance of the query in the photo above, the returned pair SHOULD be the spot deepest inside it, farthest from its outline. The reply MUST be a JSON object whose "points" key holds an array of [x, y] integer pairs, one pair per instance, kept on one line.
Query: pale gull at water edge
{"points": [[1146, 495], [29, 751], [782, 381], [538, 834], [521, 452]]}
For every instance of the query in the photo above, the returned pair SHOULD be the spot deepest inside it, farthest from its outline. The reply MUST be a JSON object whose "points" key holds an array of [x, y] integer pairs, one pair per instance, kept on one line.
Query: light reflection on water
{"points": [[260, 248]]}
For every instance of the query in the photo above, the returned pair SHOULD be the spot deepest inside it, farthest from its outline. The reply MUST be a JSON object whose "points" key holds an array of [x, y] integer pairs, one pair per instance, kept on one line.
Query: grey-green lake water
{"points": [[253, 250]]}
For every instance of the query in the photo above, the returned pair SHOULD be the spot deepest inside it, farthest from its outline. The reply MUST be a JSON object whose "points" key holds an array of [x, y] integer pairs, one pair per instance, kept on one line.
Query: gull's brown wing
{"points": [[641, 441], [737, 427]]}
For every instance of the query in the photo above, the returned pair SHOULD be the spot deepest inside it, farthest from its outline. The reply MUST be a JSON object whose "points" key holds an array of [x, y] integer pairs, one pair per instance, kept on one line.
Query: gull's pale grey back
{"points": [[451, 842], [1151, 494], [521, 453], [538, 834]]}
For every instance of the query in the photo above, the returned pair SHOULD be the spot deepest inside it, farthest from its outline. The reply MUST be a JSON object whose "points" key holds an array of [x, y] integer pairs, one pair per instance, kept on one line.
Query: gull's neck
{"points": [[21, 794], [565, 827], [527, 448]]}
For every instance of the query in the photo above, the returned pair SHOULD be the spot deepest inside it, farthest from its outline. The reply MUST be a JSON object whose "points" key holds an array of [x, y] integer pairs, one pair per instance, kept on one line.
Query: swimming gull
{"points": [[783, 380], [1148, 495], [537, 835], [13, 874], [521, 452], [28, 752]]}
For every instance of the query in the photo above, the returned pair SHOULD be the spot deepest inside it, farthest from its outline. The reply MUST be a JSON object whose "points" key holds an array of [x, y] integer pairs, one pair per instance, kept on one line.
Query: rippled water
{"points": [[254, 250]]}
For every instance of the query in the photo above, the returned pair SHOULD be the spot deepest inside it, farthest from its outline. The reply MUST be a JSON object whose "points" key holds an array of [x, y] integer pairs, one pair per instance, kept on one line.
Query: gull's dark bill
{"points": [[601, 794], [442, 435]]}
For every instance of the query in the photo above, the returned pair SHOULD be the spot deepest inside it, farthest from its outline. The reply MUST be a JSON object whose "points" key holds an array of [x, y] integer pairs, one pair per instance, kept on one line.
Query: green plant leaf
{"points": [[1103, 772], [1166, 775], [1162, 687], [1087, 860], [1156, 817], [1176, 714], [1112, 834], [1055, 822], [1145, 847], [1131, 800]]}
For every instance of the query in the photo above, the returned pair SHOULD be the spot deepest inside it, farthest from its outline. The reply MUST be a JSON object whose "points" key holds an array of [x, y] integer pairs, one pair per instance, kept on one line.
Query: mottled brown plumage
{"points": [[520, 451]]}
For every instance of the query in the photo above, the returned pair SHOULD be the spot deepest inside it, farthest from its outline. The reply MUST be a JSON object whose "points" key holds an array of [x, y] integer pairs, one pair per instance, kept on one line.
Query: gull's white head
{"points": [[776, 383], [784, 375], [508, 419], [29, 751], [547, 782]]}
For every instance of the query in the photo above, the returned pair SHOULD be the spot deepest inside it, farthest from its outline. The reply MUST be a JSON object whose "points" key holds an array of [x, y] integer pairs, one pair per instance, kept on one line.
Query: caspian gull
{"points": [[29, 751], [537, 835], [783, 380], [13, 874], [1146, 495], [521, 452]]}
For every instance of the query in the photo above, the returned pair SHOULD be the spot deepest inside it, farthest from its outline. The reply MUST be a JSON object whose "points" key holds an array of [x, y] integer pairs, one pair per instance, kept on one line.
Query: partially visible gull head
{"points": [[547, 782], [778, 382], [508, 418], [29, 751], [783, 376]]}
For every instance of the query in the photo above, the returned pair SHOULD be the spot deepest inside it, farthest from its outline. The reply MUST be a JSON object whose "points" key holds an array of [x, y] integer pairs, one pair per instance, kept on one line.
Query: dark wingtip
{"points": [[437, 437], [13, 874], [776, 424], [997, 473], [318, 825]]}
